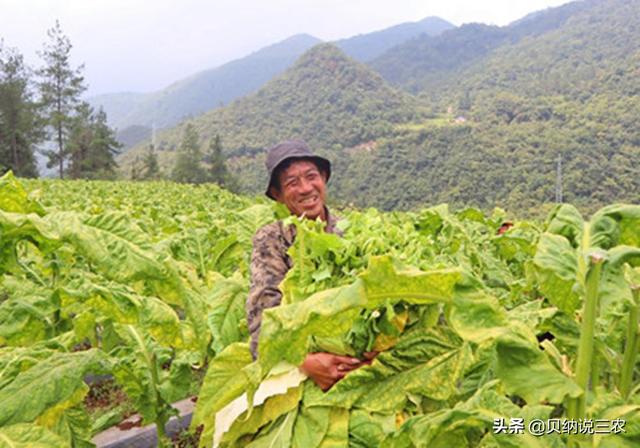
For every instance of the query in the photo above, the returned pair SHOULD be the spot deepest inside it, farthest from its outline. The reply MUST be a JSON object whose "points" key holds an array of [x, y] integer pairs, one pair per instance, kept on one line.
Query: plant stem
{"points": [[577, 406], [161, 419], [631, 346]]}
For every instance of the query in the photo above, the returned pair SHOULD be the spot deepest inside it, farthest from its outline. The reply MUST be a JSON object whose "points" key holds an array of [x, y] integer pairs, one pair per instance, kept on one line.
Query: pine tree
{"points": [[218, 171], [187, 168], [150, 167], [79, 141], [60, 88], [21, 125], [104, 148], [91, 145]]}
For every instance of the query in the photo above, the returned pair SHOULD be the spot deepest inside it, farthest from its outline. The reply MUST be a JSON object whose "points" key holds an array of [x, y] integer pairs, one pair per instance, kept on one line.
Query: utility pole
{"points": [[559, 180]]}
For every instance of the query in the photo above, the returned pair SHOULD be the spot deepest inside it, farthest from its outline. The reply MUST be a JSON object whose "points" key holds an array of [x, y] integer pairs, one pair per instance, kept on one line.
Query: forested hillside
{"points": [[207, 90], [428, 61], [555, 92], [326, 98], [216, 87]]}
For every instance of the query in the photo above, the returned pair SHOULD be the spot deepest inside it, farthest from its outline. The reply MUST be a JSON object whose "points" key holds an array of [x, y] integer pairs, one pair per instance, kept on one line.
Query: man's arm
{"points": [[268, 268], [269, 265]]}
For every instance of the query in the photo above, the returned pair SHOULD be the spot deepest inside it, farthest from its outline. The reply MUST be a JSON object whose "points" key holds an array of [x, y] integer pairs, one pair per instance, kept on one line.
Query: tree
{"points": [[218, 171], [91, 145], [104, 148], [21, 125], [60, 87], [150, 167], [187, 168], [79, 141]]}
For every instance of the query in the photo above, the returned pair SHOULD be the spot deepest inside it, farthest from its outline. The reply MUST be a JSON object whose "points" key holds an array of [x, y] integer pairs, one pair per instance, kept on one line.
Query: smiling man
{"points": [[298, 179]]}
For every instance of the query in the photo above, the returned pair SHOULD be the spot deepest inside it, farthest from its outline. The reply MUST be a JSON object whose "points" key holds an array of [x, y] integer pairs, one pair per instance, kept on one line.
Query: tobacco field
{"points": [[146, 283]]}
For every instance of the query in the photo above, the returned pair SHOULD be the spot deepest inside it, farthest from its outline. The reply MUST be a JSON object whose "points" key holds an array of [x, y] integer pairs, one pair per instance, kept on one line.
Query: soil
{"points": [[187, 439], [106, 395]]}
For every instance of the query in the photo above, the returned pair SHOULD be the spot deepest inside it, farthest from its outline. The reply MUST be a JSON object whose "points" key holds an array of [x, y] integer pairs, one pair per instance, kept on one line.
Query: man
{"points": [[297, 178]]}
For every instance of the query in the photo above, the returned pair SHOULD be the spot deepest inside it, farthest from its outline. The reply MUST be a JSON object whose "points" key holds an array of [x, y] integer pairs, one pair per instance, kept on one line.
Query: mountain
{"points": [[428, 60], [365, 47], [205, 90], [326, 98], [556, 93], [215, 87], [564, 98]]}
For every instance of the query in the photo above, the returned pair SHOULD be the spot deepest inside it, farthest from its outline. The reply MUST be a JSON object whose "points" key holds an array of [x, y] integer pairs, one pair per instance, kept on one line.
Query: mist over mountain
{"points": [[205, 90], [216, 87], [366, 47]]}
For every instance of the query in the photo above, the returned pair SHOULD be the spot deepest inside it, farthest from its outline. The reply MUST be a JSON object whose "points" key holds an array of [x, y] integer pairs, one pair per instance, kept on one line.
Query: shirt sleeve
{"points": [[268, 268]]}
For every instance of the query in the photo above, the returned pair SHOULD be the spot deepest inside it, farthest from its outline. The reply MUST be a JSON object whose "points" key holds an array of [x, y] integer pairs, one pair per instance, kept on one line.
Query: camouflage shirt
{"points": [[269, 265]]}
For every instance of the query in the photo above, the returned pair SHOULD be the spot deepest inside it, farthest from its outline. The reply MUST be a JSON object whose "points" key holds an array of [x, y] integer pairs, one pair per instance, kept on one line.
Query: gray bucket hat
{"points": [[292, 149]]}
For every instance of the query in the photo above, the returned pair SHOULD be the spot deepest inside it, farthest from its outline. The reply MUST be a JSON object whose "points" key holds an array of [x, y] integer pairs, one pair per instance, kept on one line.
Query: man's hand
{"points": [[325, 369]]}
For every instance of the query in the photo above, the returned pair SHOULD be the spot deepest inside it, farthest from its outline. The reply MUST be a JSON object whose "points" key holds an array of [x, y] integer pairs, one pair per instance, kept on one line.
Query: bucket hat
{"points": [[292, 149]]}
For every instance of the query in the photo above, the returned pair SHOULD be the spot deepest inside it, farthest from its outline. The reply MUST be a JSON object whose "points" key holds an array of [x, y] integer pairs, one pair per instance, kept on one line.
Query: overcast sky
{"points": [[144, 45]]}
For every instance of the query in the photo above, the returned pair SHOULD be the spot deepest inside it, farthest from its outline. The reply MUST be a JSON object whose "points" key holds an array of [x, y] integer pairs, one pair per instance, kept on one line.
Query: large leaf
{"points": [[367, 429], [556, 270], [526, 371], [566, 220], [475, 315], [227, 305], [425, 363], [70, 420], [461, 424], [14, 198], [222, 384], [271, 410], [617, 224], [279, 434], [26, 435], [286, 329], [46, 384]]}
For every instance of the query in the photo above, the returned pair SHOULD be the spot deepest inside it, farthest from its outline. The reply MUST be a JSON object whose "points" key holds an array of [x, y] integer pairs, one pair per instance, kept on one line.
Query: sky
{"points": [[144, 45]]}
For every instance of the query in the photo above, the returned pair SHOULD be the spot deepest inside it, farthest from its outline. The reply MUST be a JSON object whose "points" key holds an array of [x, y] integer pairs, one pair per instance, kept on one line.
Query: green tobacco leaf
{"points": [[27, 319], [614, 225], [308, 253], [271, 410], [46, 384], [69, 420], [17, 226], [565, 220], [369, 429], [25, 435], [476, 316], [311, 426], [279, 434], [286, 329], [460, 425], [556, 267], [14, 360], [526, 371], [137, 368], [422, 363], [14, 198], [115, 255], [227, 305], [222, 384], [337, 435], [382, 282]]}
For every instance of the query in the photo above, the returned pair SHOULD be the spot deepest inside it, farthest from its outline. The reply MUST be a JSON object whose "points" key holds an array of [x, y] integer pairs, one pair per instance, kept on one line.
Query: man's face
{"points": [[302, 189]]}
